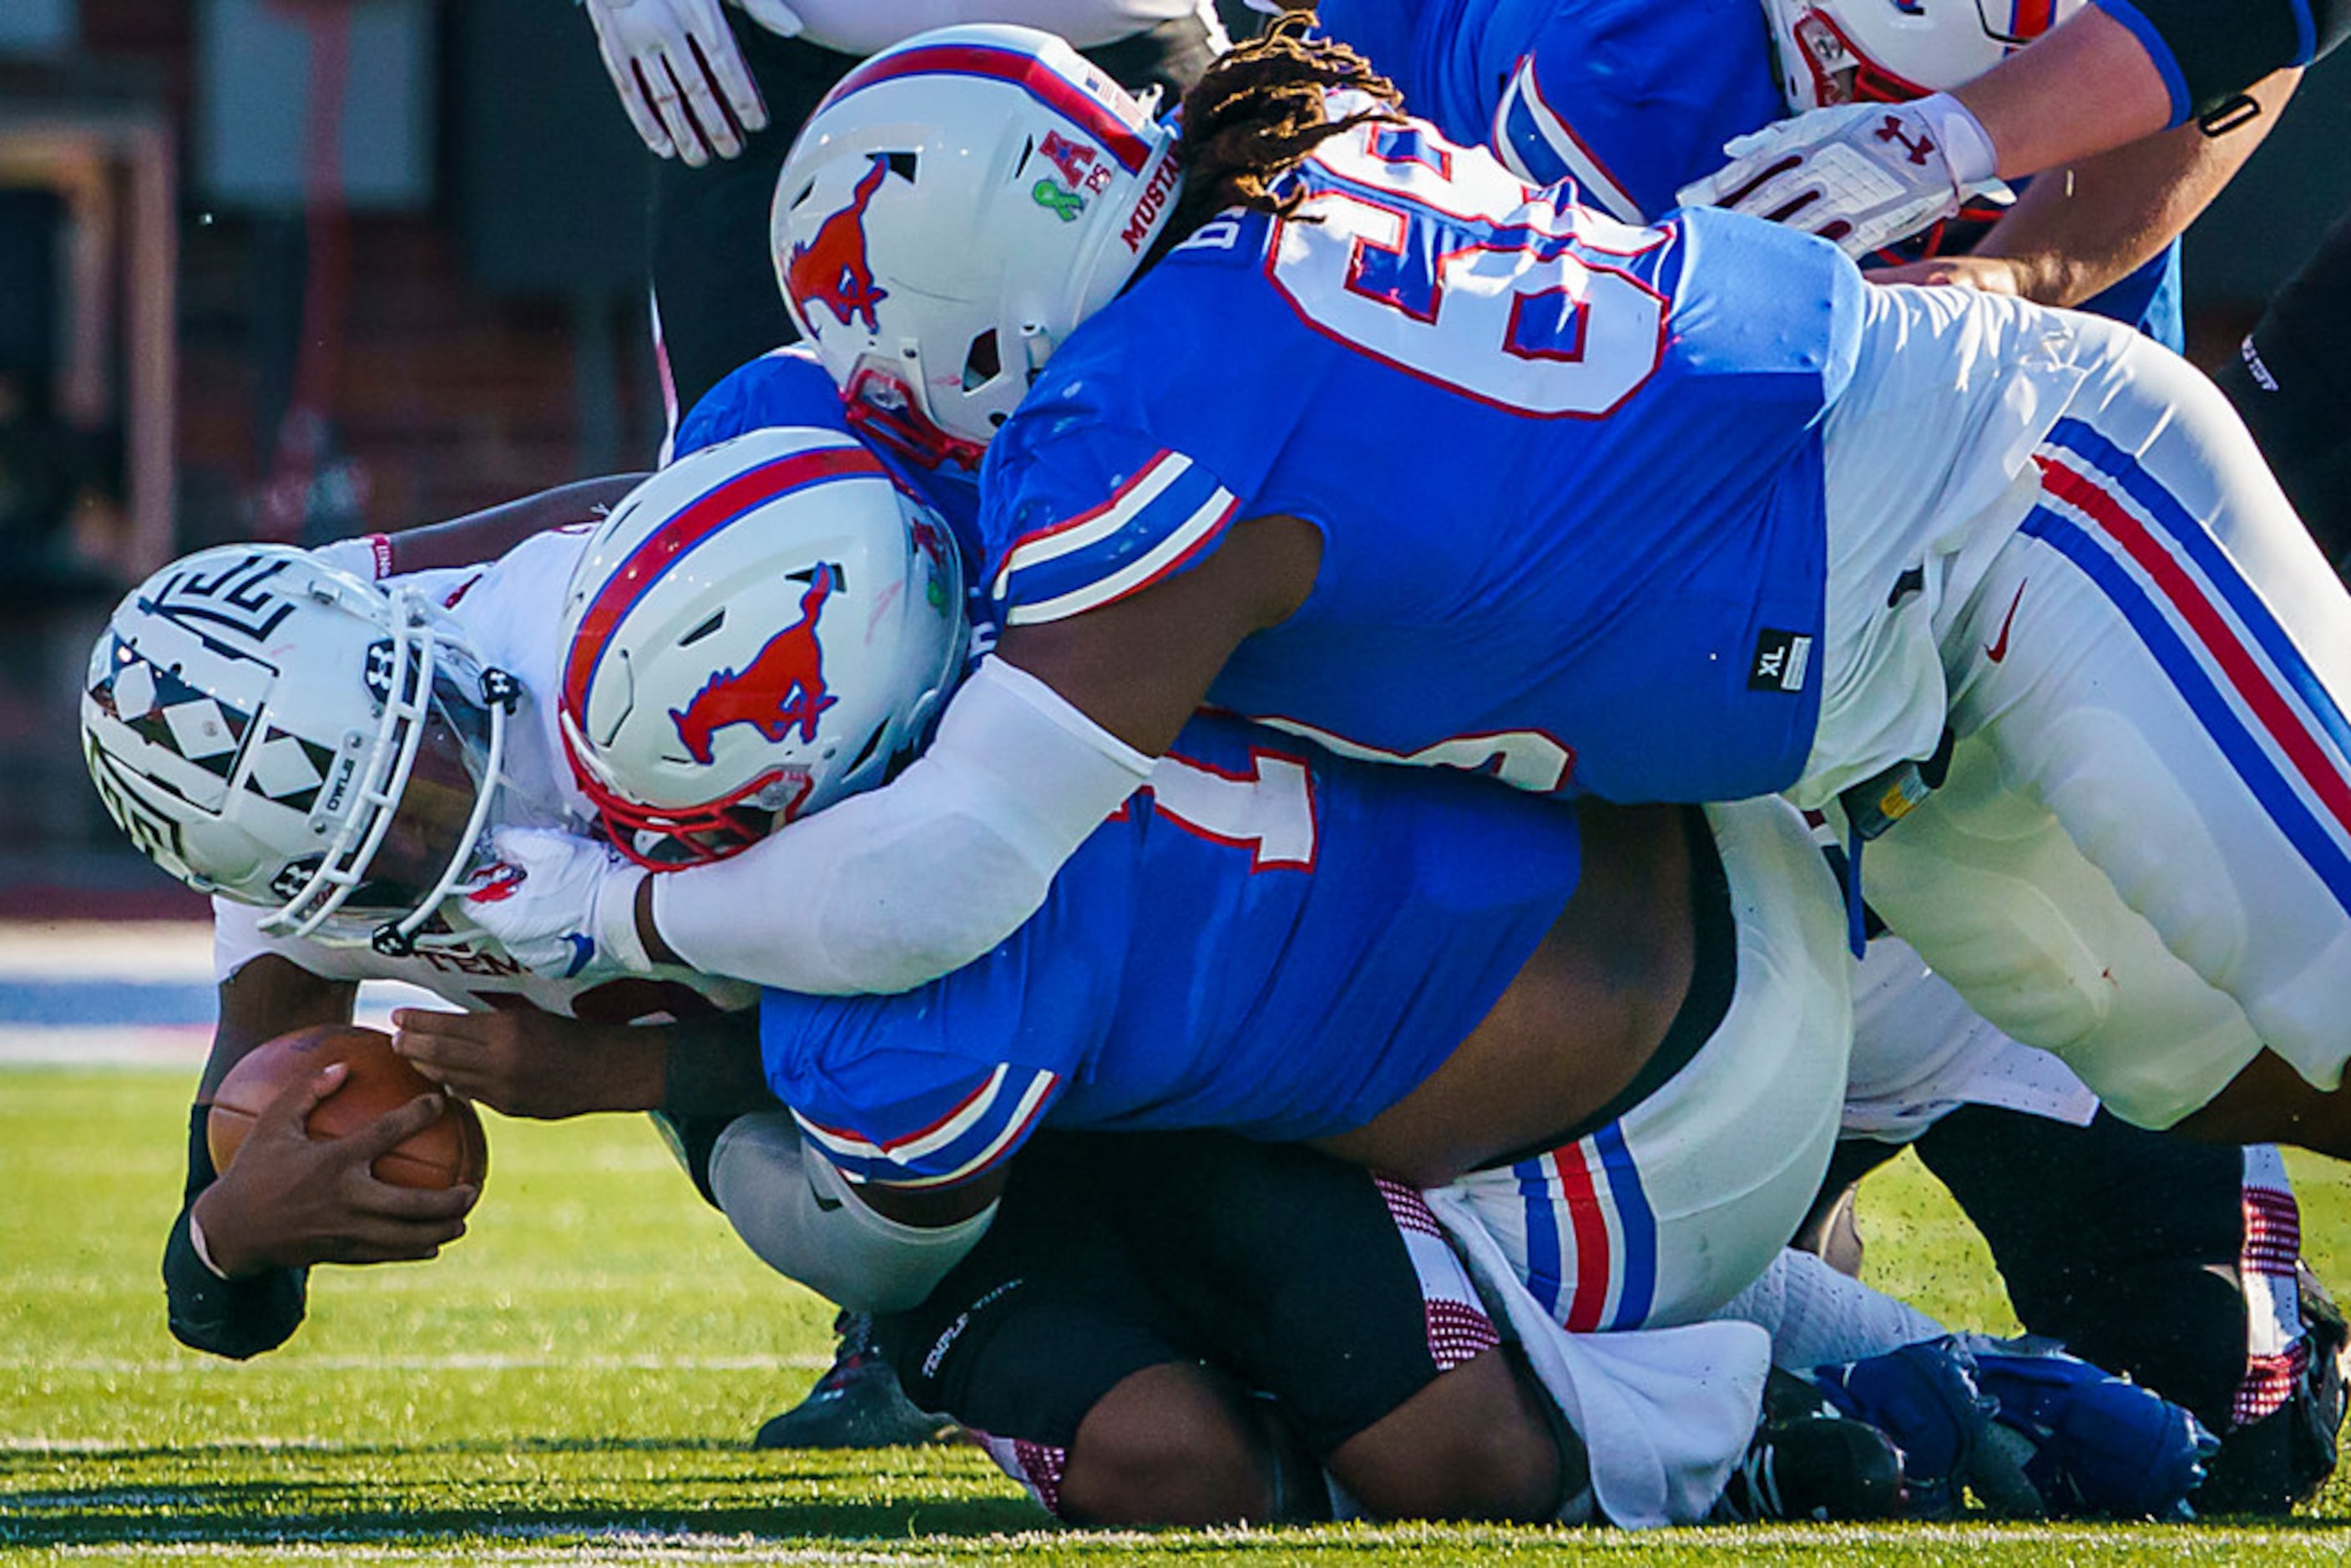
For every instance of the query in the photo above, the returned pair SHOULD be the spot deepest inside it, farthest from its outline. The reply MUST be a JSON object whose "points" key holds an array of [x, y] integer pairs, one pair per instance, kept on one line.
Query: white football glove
{"points": [[672, 60], [560, 905], [1861, 174]]}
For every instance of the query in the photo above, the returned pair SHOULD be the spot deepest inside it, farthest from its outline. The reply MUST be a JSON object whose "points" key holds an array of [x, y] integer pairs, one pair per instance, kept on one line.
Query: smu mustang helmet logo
{"points": [[782, 685], [831, 268]]}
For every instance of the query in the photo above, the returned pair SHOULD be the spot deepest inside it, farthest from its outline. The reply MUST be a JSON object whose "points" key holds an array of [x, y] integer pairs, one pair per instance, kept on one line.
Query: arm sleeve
{"points": [[890, 890], [235, 1318], [2208, 53], [806, 1222]]}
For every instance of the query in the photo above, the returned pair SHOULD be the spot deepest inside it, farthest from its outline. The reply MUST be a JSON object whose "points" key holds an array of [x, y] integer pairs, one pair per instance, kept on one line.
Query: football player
{"points": [[2285, 379], [1894, 515], [325, 754], [1277, 1014], [716, 90], [2189, 1281], [1632, 102], [2112, 73]]}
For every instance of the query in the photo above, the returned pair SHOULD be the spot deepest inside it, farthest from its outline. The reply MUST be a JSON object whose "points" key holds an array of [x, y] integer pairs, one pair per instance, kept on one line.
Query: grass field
{"points": [[574, 1382]]}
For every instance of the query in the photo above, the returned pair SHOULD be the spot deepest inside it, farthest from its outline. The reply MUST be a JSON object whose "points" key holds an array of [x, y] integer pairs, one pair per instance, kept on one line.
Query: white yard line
{"points": [[139, 1366], [179, 1046]]}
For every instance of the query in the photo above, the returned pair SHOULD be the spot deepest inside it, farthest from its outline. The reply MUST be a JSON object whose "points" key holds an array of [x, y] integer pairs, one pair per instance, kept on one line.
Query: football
{"points": [[449, 1151]]}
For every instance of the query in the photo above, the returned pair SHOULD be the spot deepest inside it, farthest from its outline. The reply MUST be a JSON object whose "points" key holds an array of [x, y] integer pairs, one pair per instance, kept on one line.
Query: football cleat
{"points": [[855, 1404], [1926, 1398], [1809, 1462]]}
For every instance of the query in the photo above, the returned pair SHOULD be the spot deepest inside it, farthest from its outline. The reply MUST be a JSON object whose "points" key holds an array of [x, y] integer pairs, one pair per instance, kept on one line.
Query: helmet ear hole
{"points": [[982, 363]]}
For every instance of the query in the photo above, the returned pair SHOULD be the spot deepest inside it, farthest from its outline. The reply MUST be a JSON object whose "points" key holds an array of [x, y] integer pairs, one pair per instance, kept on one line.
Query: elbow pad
{"points": [[2209, 53], [804, 1221], [890, 890]]}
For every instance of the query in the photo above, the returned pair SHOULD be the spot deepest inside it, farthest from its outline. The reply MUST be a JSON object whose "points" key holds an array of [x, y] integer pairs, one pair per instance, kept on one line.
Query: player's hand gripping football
{"points": [[680, 76], [289, 1200], [1862, 176], [526, 1061], [559, 904]]}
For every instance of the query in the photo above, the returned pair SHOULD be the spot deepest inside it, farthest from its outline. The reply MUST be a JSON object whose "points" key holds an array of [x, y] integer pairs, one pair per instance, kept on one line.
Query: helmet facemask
{"points": [[273, 730], [424, 791]]}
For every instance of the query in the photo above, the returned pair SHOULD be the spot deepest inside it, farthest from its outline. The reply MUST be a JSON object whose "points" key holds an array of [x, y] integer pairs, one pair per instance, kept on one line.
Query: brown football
{"points": [[450, 1152]]}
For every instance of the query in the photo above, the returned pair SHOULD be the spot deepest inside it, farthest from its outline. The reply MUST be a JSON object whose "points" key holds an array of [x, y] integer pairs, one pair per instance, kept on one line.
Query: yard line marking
{"points": [[133, 1367]]}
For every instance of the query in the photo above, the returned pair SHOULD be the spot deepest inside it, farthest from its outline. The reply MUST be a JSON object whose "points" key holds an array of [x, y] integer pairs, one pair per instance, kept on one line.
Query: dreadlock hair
{"points": [[1257, 112]]}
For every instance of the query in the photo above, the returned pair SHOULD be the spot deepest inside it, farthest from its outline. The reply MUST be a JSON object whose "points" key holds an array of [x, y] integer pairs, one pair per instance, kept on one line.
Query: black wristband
{"points": [[234, 1318]]}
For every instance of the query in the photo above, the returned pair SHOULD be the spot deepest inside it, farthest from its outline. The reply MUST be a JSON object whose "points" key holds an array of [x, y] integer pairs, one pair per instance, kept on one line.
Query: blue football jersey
{"points": [[1567, 472], [1630, 98], [1265, 938], [1631, 101]]}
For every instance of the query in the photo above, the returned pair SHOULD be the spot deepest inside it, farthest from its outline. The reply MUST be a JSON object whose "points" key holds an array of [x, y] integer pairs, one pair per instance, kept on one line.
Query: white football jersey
{"points": [[512, 609]]}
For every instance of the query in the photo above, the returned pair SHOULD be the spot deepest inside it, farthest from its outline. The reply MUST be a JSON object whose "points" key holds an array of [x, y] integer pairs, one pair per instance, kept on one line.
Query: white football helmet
{"points": [[1890, 51], [274, 729], [758, 630], [952, 209]]}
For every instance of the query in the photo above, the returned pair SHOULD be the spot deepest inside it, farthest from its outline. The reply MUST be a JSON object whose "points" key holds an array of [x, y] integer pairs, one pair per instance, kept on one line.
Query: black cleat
{"points": [[1809, 1466], [856, 1405]]}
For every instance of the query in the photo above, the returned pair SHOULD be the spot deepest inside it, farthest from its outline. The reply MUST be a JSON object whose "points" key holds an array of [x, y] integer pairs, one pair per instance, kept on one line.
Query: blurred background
{"points": [[296, 269]]}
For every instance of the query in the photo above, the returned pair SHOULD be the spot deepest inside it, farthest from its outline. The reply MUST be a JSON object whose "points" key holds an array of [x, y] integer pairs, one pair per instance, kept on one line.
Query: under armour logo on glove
{"points": [[1861, 175], [1919, 149]]}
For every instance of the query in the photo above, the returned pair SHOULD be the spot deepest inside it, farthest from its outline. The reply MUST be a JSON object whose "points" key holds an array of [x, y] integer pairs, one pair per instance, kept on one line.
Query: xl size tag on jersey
{"points": [[1782, 660]]}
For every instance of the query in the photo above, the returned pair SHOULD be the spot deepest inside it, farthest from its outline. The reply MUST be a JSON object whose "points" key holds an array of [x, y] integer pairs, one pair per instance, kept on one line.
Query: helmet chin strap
{"points": [[500, 695]]}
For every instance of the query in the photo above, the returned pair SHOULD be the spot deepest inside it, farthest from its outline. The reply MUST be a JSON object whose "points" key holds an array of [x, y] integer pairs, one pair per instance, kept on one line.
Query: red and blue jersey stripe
{"points": [[1165, 516], [980, 1125], [2234, 665], [1591, 1235]]}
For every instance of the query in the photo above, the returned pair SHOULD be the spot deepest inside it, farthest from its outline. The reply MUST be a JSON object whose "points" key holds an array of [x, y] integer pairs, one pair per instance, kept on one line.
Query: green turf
{"points": [[573, 1383]]}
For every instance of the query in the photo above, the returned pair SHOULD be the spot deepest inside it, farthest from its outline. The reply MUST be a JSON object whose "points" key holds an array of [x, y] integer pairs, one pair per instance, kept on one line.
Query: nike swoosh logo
{"points": [[1998, 650]]}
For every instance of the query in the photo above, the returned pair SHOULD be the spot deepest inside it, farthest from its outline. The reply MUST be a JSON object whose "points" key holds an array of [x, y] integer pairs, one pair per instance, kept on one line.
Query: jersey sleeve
{"points": [[937, 1086], [1090, 515], [939, 1124], [783, 387], [238, 939]]}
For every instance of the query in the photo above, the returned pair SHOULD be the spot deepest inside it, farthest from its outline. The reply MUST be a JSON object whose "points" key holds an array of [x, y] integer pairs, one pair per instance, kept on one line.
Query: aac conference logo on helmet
{"points": [[831, 268], [1083, 173], [783, 686]]}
